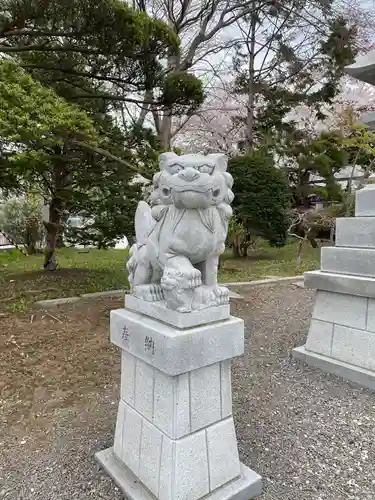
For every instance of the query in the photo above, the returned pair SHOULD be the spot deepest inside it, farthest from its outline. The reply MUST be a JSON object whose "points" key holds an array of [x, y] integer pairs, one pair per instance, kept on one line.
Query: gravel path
{"points": [[309, 435]]}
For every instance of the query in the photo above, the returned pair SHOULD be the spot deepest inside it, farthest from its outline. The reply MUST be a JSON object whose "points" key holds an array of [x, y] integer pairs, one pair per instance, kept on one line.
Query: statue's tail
{"points": [[144, 224]]}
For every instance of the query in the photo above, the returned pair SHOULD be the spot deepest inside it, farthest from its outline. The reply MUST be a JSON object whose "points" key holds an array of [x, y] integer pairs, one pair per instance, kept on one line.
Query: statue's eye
{"points": [[175, 168], [205, 169]]}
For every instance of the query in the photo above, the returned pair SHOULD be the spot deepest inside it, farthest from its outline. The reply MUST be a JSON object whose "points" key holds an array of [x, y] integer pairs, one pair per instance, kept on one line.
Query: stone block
{"points": [[164, 402], [128, 377], [370, 323], [144, 389], [205, 394], [341, 283], [166, 470], [357, 232], [182, 408], [119, 432], [191, 480], [177, 405], [226, 388], [223, 460], [365, 202], [128, 442], [320, 337], [341, 260], [150, 455], [356, 347], [340, 308], [172, 350], [172, 404], [159, 311]]}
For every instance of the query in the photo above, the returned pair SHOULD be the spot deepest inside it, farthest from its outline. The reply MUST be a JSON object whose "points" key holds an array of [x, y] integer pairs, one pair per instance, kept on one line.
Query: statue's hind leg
{"points": [[146, 282]]}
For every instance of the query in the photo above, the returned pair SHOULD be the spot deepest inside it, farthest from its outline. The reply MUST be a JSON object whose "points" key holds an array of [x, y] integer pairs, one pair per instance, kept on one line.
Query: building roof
{"points": [[363, 68]]}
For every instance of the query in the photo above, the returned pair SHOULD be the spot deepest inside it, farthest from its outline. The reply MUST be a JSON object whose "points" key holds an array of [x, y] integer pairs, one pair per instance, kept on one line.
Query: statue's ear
{"points": [[221, 161], [155, 179], [228, 179], [164, 159]]}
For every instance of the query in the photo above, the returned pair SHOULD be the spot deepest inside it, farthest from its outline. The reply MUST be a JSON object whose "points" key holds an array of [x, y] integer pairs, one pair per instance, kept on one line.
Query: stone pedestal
{"points": [[341, 338], [175, 437]]}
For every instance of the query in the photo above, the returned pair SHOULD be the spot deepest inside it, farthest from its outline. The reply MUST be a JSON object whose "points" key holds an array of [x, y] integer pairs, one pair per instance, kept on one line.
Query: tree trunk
{"points": [[304, 188], [148, 97], [299, 251], [236, 246], [165, 134], [52, 226], [251, 97]]}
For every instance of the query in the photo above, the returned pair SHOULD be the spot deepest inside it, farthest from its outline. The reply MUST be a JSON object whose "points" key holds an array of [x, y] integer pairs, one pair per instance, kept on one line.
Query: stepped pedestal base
{"points": [[175, 437], [341, 338], [247, 486]]}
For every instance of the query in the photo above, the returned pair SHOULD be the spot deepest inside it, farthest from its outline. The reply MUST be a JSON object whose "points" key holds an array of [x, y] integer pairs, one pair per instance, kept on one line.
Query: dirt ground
{"points": [[310, 435]]}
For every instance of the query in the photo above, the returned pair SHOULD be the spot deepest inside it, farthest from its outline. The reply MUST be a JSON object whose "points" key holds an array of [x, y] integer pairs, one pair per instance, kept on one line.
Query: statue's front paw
{"points": [[193, 277], [220, 295], [183, 309]]}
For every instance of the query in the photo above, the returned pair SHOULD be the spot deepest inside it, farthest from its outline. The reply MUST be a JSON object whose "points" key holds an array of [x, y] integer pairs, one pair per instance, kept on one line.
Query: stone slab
{"points": [[365, 202], [174, 351], [159, 311], [360, 376], [223, 460], [320, 337], [299, 284], [356, 347], [341, 260], [247, 486], [370, 323], [341, 283], [57, 302], [235, 296], [177, 405], [357, 232], [263, 282], [205, 396], [105, 293], [340, 308]]}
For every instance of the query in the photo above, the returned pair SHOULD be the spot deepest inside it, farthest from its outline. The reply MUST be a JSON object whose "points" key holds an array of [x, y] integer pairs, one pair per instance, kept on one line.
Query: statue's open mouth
{"points": [[195, 189], [192, 189]]}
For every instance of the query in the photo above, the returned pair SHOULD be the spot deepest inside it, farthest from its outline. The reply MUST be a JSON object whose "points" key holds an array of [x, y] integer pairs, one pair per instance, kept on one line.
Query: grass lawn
{"points": [[264, 261], [23, 281]]}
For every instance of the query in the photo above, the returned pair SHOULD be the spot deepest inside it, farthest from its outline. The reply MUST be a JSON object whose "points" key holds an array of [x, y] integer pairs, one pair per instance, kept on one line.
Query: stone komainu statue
{"points": [[179, 240]]}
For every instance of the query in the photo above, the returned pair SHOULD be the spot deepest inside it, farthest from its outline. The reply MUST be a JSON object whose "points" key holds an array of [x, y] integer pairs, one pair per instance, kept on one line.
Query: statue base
{"points": [[175, 437], [247, 486], [159, 311]]}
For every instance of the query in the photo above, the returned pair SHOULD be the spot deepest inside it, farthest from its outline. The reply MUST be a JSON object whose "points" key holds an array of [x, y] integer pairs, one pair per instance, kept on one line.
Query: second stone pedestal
{"points": [[175, 437], [341, 338]]}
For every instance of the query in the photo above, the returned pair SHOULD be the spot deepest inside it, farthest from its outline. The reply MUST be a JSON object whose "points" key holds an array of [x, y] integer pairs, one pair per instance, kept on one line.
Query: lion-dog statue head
{"points": [[192, 181]]}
